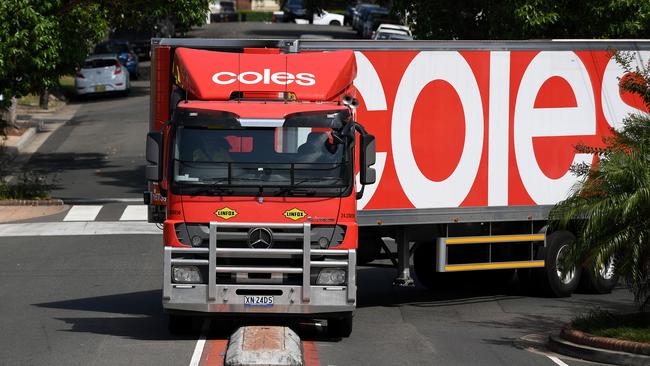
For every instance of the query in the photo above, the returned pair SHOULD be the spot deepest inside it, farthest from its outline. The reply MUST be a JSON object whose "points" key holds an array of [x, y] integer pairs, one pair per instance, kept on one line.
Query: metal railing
{"points": [[443, 243]]}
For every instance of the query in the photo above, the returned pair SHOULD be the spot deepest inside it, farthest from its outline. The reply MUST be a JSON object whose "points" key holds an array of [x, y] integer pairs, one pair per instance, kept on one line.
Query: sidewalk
{"points": [[40, 125]]}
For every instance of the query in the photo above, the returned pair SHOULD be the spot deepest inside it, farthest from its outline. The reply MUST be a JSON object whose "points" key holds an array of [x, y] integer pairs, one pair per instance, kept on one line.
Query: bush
{"points": [[30, 185]]}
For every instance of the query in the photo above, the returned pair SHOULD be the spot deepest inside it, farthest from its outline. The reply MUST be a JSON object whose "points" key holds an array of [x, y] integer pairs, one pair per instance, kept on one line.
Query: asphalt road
{"points": [[99, 153], [95, 300]]}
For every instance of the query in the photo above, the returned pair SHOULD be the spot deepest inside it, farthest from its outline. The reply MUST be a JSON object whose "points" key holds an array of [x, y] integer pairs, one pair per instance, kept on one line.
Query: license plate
{"points": [[258, 300], [100, 88]]}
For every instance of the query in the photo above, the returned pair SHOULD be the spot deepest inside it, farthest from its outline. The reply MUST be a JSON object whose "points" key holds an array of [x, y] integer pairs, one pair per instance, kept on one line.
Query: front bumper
{"points": [[305, 299], [99, 88]]}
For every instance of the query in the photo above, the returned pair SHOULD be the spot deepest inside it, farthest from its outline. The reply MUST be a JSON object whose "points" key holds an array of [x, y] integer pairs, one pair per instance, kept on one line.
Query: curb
{"points": [[565, 347], [612, 344], [264, 345], [15, 149], [47, 202]]}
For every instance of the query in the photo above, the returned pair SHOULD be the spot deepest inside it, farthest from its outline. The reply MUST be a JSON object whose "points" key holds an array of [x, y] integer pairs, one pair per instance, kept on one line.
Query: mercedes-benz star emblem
{"points": [[260, 238]]}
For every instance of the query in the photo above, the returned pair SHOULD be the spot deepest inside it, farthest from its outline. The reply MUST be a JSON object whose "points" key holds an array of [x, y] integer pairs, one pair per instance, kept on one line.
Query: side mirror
{"points": [[154, 156], [367, 155]]}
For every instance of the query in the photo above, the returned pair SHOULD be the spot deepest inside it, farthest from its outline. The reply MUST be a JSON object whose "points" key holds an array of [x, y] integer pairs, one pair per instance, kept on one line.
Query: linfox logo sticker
{"points": [[295, 214], [266, 77], [226, 213]]}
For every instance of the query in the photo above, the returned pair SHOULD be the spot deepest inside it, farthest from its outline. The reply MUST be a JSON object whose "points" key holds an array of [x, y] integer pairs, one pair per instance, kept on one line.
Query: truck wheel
{"points": [[335, 22], [368, 249], [180, 325], [340, 327], [601, 281], [551, 279]]}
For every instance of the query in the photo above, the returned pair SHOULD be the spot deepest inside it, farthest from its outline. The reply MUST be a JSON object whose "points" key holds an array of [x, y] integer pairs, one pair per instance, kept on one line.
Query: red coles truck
{"points": [[255, 146]]}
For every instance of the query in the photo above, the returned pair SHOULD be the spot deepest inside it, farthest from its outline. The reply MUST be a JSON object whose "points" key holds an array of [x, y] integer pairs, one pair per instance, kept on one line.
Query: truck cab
{"points": [[260, 191]]}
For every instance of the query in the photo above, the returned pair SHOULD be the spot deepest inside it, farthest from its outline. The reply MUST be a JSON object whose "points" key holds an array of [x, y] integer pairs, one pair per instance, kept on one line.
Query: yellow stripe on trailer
{"points": [[494, 239], [504, 265]]}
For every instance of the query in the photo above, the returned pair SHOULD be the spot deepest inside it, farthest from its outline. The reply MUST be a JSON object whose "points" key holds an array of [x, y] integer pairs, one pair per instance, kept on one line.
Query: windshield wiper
{"points": [[213, 188], [295, 190]]}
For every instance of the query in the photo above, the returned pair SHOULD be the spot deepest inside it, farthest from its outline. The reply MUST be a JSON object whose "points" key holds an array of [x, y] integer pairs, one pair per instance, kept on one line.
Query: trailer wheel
{"points": [[551, 278], [340, 327], [601, 281], [180, 325], [368, 249]]}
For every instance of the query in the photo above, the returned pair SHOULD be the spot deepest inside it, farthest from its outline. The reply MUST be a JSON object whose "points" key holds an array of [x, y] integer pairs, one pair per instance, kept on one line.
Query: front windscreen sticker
{"points": [[295, 214], [226, 213]]}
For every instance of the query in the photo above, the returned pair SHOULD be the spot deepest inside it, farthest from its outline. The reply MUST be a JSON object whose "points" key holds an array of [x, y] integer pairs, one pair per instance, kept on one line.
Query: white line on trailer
{"points": [[200, 344], [78, 228], [82, 213], [557, 360], [134, 213]]}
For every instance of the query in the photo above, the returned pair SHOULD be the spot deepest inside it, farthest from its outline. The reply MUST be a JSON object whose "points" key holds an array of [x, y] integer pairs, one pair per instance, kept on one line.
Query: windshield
{"points": [[269, 161]]}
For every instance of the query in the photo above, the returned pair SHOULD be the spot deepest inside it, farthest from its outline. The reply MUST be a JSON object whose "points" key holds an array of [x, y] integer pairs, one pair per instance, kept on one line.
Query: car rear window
{"points": [[93, 64]]}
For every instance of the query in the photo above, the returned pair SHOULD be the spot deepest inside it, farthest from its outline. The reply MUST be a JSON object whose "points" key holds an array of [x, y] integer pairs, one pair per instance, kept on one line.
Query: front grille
{"points": [[333, 235], [238, 238]]}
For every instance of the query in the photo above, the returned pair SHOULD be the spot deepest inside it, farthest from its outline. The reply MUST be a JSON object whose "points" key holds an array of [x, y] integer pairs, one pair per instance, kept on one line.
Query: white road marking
{"points": [[78, 228], [75, 201], [200, 344], [134, 213], [82, 213], [557, 360]]}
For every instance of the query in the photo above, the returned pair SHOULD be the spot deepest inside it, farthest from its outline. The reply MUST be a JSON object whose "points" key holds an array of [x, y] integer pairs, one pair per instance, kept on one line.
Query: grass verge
{"points": [[632, 327], [255, 16]]}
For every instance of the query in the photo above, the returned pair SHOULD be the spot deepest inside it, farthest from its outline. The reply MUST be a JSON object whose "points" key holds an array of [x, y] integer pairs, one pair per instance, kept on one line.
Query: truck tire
{"points": [[340, 327], [368, 249], [550, 278], [600, 281], [180, 325]]}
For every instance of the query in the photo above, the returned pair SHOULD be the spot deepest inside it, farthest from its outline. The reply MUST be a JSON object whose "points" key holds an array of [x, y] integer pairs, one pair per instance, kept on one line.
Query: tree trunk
{"points": [[44, 99], [11, 113]]}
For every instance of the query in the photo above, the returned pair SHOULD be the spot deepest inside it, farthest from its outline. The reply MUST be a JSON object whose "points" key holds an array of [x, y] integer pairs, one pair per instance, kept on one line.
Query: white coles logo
{"points": [[252, 77]]}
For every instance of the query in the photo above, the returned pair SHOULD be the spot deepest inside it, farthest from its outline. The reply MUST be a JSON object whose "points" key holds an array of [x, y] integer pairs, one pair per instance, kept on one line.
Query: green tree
{"points": [[182, 14], [41, 40], [29, 49], [610, 206], [526, 19]]}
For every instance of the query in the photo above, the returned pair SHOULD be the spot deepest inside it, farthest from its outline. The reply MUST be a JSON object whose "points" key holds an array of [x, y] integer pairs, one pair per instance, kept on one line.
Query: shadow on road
{"points": [[139, 315], [136, 315], [109, 174]]}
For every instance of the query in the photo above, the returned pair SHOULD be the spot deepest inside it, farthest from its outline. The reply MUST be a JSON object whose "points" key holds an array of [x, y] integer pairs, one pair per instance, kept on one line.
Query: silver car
{"points": [[102, 74]]}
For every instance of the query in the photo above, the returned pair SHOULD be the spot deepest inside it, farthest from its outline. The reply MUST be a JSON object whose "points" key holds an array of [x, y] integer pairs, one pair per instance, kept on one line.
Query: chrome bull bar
{"points": [[344, 259]]}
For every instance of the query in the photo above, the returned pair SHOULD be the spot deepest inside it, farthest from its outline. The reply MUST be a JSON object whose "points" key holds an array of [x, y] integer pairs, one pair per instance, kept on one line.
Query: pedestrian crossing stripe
{"points": [[82, 213], [87, 213]]}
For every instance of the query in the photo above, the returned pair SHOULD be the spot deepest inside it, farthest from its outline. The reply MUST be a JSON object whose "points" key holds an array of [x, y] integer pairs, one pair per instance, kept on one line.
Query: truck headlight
{"points": [[331, 276], [186, 274]]}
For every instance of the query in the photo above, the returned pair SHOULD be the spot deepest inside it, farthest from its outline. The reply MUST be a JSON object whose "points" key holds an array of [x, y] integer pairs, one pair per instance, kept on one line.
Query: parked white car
{"points": [[392, 31], [325, 18], [102, 74]]}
